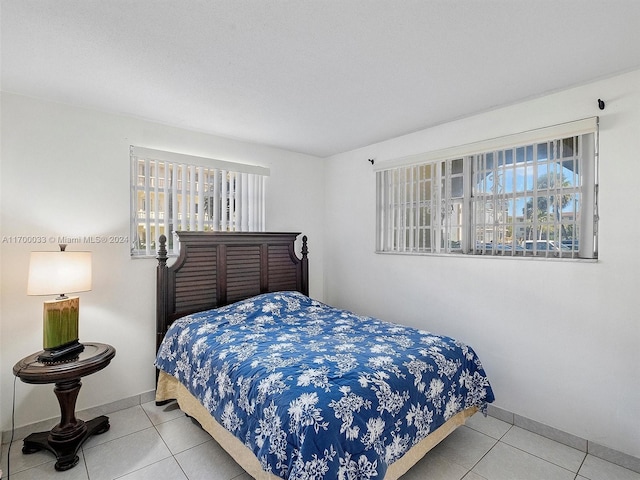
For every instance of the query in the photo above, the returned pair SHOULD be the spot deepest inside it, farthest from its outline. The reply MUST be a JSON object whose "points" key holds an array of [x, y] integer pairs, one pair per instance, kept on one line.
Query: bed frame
{"points": [[218, 268], [215, 269]]}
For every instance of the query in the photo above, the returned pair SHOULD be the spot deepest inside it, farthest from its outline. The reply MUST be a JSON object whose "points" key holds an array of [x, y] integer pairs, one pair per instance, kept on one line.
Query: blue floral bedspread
{"points": [[317, 392]]}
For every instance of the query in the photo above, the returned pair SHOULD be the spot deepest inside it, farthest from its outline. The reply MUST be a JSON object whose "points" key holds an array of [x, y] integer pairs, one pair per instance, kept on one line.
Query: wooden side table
{"points": [[65, 439]]}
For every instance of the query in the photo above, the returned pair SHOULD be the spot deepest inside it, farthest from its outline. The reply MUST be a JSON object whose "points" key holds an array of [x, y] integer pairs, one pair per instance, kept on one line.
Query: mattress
{"points": [[297, 389]]}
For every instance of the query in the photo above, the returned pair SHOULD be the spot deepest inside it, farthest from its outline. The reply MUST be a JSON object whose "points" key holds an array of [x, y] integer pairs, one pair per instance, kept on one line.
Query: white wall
{"points": [[560, 341], [2, 368], [65, 172]]}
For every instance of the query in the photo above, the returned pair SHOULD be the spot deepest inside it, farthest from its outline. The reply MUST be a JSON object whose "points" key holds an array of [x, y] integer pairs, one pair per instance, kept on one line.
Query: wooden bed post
{"points": [[161, 292], [305, 267]]}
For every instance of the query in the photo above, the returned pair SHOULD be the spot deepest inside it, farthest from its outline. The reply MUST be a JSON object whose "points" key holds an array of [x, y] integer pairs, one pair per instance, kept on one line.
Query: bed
{"points": [[291, 387]]}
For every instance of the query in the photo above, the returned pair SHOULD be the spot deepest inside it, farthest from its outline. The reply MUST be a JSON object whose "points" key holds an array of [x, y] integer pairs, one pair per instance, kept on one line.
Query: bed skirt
{"points": [[169, 388]]}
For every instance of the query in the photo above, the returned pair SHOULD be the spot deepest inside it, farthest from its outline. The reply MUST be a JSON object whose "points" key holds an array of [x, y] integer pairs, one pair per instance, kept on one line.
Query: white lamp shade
{"points": [[58, 273]]}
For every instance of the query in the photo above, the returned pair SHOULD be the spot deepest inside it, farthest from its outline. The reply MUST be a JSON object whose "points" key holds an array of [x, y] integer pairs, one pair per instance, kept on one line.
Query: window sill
{"points": [[519, 258]]}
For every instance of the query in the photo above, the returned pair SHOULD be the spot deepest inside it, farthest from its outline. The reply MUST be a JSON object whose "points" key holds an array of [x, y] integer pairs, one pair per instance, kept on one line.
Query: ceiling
{"points": [[317, 76]]}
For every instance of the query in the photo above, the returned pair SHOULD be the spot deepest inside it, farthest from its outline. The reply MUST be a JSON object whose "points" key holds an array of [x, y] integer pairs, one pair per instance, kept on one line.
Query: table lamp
{"points": [[60, 273]]}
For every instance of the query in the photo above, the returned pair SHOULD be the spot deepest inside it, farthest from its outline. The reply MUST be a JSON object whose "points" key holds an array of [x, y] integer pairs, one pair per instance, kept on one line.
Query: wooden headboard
{"points": [[218, 268]]}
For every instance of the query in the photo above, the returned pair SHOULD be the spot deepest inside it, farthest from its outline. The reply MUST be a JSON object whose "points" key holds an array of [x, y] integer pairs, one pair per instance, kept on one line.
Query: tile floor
{"points": [[160, 443]]}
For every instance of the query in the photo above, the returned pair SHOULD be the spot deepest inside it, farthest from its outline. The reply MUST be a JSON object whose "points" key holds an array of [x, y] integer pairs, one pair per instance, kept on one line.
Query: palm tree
{"points": [[553, 204]]}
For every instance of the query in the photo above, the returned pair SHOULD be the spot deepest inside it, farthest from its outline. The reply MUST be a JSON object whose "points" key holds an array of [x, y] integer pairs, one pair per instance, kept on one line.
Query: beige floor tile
{"points": [[208, 461], [490, 426], [125, 455], [595, 468], [167, 469], [47, 471], [162, 413], [435, 467], [549, 450], [182, 433], [122, 423], [20, 461], [505, 462], [465, 447]]}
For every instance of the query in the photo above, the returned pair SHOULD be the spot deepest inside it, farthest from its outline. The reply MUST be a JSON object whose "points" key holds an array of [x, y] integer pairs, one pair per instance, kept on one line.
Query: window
{"points": [[172, 192], [527, 195]]}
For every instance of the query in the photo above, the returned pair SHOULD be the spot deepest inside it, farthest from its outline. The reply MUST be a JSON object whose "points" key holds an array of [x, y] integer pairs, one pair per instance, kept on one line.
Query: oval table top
{"points": [[93, 358]]}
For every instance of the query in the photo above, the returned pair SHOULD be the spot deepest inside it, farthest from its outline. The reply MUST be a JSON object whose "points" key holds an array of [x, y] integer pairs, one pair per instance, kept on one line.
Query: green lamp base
{"points": [[60, 330]]}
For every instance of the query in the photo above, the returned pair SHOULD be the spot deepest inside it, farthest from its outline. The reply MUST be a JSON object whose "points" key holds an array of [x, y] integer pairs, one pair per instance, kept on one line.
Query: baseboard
{"points": [[87, 414], [605, 453]]}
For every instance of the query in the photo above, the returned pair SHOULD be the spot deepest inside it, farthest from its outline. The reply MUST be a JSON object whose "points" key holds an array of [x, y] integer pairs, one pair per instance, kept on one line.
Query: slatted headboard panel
{"points": [[218, 268]]}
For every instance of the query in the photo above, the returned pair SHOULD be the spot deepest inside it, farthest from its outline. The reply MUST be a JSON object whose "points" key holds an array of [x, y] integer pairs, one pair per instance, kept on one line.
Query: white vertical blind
{"points": [[224, 199], [168, 195], [536, 198], [147, 195], [167, 186], [244, 203], [587, 237], [216, 197], [183, 199], [201, 187]]}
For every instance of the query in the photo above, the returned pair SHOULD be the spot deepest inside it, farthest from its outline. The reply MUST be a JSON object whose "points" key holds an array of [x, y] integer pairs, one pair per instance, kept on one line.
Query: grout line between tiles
{"points": [[544, 459], [84, 460], [165, 443], [137, 470], [584, 459], [500, 441], [497, 441]]}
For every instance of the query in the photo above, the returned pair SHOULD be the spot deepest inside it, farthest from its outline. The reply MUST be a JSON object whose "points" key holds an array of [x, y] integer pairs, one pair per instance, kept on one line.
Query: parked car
{"points": [[571, 244], [544, 245], [498, 247]]}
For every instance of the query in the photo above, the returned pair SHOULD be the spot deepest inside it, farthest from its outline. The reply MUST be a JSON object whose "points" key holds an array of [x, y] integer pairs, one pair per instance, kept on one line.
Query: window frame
{"points": [[394, 218]]}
